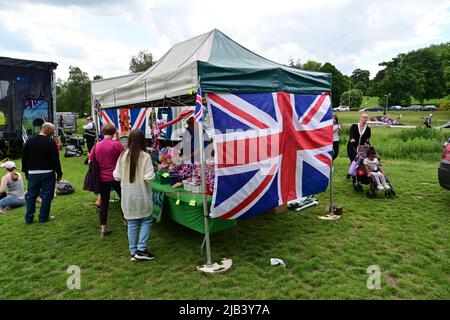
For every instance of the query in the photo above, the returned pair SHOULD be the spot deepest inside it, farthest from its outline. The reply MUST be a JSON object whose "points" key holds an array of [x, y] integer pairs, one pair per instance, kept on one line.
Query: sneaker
{"points": [[50, 218], [133, 258], [144, 255], [387, 187], [380, 188], [2, 210]]}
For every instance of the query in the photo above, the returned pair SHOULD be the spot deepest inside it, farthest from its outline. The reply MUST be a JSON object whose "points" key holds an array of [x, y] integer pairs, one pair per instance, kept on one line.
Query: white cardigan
{"points": [[136, 199]]}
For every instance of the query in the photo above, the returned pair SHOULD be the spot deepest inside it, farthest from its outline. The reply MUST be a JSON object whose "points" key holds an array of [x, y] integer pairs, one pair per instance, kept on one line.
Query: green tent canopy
{"points": [[221, 64]]}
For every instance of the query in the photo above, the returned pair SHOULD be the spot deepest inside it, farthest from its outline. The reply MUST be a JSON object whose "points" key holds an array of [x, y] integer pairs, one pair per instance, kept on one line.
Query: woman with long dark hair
{"points": [[134, 170]]}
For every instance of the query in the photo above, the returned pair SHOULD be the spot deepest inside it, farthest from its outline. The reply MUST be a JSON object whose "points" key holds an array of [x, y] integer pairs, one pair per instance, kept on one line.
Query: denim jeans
{"points": [[138, 238], [42, 184], [12, 202]]}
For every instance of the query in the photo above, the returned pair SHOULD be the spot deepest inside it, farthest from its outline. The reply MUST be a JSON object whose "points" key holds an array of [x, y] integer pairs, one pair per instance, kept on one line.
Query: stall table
{"points": [[188, 213]]}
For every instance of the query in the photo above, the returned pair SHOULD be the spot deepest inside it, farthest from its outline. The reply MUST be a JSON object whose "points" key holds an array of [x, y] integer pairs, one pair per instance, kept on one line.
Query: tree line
{"points": [[420, 74], [74, 95]]}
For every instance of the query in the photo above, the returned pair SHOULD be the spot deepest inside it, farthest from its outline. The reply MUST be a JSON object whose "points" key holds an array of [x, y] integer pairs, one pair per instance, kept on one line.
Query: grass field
{"points": [[374, 101], [408, 117], [406, 237]]}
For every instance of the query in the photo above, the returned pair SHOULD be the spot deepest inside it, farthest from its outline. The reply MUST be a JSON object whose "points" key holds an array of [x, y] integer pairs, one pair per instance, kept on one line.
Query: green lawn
{"points": [[408, 117], [407, 237], [369, 101]]}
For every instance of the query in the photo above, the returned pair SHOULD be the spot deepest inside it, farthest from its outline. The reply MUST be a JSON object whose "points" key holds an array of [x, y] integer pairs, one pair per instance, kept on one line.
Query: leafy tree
{"points": [[430, 68], [141, 62], [352, 98], [360, 75], [312, 65], [339, 82], [75, 94], [362, 87], [401, 83]]}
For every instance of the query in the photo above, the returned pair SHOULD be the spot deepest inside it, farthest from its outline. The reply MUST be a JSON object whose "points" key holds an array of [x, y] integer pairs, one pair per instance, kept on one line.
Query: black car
{"points": [[444, 167], [372, 109]]}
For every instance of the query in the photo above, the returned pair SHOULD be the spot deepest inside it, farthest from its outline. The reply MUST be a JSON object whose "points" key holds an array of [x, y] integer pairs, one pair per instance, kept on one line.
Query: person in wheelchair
{"points": [[374, 169]]}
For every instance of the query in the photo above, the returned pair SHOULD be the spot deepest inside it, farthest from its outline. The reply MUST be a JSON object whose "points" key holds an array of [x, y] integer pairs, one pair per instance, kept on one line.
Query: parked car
{"points": [[430, 108], [377, 108], [395, 108], [414, 108], [444, 167], [342, 108]]}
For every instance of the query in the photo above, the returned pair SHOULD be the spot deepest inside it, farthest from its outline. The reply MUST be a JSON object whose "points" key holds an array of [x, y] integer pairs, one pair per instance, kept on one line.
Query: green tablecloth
{"points": [[188, 215]]}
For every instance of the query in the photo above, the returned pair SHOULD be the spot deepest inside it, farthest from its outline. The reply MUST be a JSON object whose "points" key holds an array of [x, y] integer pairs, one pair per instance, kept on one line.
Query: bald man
{"points": [[40, 163]]}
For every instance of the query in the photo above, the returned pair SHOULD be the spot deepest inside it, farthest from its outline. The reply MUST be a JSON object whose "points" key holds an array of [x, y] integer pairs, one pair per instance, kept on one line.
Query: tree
{"points": [[430, 68], [98, 77], [141, 62], [352, 98], [75, 94], [312, 65], [401, 83], [339, 82], [362, 87], [420, 74], [360, 75]]}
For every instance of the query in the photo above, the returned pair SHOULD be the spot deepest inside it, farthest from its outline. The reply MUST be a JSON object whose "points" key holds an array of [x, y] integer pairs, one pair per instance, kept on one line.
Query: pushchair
{"points": [[359, 175]]}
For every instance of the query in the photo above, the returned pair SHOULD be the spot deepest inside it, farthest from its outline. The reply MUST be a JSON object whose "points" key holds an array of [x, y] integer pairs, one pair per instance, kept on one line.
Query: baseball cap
{"points": [[8, 165]]}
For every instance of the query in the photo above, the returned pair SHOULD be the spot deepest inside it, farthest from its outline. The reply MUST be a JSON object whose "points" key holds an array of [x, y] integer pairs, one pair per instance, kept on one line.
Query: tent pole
{"points": [[96, 122], [331, 189], [205, 200]]}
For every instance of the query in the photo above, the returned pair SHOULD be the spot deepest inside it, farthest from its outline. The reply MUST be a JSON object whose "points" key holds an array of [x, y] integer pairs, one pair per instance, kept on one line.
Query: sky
{"points": [[101, 36]]}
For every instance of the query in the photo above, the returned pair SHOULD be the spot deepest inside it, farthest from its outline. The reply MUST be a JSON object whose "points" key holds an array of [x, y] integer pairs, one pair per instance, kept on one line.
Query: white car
{"points": [[342, 108]]}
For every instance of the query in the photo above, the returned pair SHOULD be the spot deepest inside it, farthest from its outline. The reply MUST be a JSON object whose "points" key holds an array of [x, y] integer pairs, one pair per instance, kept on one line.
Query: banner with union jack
{"points": [[109, 116], [138, 118], [270, 148]]}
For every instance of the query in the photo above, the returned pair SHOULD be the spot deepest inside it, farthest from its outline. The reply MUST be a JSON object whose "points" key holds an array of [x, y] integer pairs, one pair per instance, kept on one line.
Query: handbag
{"points": [[92, 178]]}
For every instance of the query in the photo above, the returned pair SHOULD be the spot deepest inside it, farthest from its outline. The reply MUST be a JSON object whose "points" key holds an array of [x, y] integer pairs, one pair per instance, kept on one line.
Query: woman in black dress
{"points": [[359, 135]]}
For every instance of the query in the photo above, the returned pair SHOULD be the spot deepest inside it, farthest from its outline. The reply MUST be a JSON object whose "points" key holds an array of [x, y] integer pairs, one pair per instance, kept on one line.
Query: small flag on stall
{"points": [[199, 108], [96, 104]]}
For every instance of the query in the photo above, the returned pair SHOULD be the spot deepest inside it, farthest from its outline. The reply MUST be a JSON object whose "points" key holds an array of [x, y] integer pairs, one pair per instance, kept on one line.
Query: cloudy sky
{"points": [[100, 36]]}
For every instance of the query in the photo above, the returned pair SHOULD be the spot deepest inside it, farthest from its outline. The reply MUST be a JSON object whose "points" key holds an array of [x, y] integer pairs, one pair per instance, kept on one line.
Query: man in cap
{"points": [[89, 133]]}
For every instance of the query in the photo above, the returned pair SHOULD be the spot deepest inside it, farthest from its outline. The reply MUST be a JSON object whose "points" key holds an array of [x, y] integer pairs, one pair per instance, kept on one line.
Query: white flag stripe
{"points": [[226, 171], [249, 108], [243, 193]]}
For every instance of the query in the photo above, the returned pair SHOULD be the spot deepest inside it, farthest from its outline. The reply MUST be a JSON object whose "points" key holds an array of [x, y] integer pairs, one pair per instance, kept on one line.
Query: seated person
{"points": [[374, 170], [12, 180], [163, 159]]}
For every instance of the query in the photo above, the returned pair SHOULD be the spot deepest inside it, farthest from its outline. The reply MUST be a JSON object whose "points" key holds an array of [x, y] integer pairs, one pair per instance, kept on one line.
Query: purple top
{"points": [[107, 152]]}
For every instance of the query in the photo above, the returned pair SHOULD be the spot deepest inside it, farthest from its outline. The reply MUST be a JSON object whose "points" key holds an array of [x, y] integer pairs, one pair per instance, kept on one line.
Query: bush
{"points": [[419, 143]]}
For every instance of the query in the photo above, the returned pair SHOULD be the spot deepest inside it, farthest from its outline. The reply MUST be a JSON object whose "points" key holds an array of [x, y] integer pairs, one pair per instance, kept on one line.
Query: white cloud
{"points": [[100, 37]]}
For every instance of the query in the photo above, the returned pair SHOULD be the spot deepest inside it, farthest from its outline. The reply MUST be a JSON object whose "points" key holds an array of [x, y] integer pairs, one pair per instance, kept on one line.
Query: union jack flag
{"points": [[279, 150], [198, 113], [110, 116], [138, 116]]}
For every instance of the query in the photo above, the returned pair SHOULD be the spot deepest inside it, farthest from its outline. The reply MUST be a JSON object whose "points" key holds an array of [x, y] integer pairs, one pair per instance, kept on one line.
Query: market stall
{"points": [[271, 125]]}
